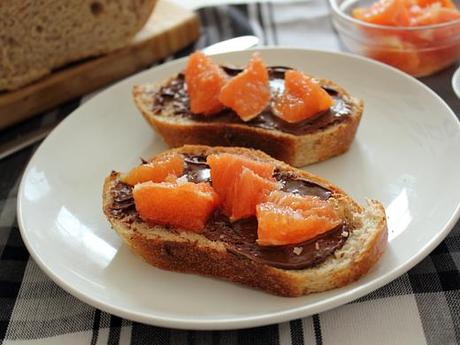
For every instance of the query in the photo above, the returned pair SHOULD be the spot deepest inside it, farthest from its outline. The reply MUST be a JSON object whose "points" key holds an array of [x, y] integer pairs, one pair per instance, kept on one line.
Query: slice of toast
{"points": [[186, 251], [296, 150]]}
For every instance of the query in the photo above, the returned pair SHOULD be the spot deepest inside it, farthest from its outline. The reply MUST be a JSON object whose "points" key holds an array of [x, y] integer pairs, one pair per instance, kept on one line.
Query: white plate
{"points": [[456, 82], [405, 154]]}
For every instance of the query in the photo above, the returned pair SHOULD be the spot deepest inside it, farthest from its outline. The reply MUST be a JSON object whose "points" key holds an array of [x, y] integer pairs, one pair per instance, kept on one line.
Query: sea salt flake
{"points": [[297, 250]]}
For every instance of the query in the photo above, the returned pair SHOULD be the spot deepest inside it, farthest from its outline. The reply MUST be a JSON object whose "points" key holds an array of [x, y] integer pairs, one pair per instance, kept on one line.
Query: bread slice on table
{"points": [[296, 150], [184, 251], [39, 36]]}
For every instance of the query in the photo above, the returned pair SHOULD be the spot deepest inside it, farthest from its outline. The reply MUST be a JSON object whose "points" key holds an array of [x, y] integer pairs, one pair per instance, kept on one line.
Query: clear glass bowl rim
{"points": [[346, 17]]}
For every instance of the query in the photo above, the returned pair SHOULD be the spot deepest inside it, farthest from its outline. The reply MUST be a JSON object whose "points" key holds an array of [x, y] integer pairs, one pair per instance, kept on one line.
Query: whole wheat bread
{"points": [[37, 36], [297, 150], [186, 251]]}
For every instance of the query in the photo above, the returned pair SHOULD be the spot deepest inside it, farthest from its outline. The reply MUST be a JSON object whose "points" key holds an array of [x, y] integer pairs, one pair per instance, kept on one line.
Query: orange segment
{"points": [[407, 61], [249, 190], [204, 79], [289, 219], [305, 203], [303, 97], [240, 182], [400, 54], [384, 12], [248, 93], [436, 15], [187, 205], [156, 171], [405, 12], [443, 3]]}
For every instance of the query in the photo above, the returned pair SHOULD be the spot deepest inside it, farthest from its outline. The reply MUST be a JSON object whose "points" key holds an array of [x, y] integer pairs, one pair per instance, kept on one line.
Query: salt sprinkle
{"points": [[297, 250], [345, 233]]}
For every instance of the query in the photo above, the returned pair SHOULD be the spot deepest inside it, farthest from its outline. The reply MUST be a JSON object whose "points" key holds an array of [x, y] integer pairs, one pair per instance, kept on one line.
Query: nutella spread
{"points": [[123, 202], [175, 92], [240, 236], [196, 169]]}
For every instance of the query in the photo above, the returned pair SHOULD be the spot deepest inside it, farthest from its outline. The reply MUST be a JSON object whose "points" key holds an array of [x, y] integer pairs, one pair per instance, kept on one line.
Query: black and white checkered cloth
{"points": [[421, 307]]}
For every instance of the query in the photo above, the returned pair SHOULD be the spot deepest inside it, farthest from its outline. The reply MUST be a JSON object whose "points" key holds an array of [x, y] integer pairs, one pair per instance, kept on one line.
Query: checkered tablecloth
{"points": [[421, 307]]}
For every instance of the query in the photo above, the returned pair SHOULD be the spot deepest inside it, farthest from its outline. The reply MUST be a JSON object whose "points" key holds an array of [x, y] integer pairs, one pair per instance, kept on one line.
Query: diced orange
{"points": [[156, 171], [303, 97], [436, 15], [248, 93], [240, 182], [184, 205], [406, 61], [406, 12], [234, 163], [289, 219], [249, 190], [384, 12], [204, 80], [443, 3], [397, 53]]}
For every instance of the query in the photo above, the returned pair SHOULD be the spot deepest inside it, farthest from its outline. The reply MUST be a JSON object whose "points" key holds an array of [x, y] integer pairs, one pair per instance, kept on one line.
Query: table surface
{"points": [[420, 307]]}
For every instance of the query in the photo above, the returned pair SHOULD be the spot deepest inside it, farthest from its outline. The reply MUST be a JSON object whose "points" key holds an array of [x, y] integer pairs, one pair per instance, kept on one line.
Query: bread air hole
{"points": [[96, 8]]}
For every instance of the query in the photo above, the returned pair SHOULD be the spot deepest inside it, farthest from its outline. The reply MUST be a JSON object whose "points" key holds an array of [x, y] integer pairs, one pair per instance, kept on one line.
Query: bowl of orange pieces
{"points": [[420, 37]]}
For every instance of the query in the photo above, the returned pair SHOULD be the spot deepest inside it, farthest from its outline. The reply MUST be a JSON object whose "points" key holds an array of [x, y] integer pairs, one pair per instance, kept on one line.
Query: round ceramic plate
{"points": [[456, 82], [405, 154]]}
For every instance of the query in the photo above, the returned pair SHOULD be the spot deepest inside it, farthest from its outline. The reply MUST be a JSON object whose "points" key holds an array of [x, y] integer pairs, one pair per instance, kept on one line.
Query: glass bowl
{"points": [[419, 51]]}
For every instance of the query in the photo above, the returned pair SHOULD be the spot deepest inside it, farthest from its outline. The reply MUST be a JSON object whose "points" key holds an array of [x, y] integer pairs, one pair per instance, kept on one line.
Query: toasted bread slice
{"points": [[296, 150], [186, 251]]}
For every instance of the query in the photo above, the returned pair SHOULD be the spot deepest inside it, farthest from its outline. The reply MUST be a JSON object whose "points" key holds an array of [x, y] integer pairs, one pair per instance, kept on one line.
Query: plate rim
{"points": [[247, 321], [455, 82]]}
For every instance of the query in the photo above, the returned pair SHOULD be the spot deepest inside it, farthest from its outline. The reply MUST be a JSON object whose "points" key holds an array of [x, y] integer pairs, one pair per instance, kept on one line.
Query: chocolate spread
{"points": [[123, 202], [175, 92], [196, 169], [240, 236]]}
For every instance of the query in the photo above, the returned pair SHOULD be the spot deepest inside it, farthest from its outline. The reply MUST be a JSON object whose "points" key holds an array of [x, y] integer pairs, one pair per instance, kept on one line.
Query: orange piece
{"points": [[443, 3], [385, 12], [405, 60], [436, 15], [186, 205], [204, 80], [289, 219], [248, 93], [406, 12], [240, 182], [249, 190], [397, 53], [156, 171], [303, 97]]}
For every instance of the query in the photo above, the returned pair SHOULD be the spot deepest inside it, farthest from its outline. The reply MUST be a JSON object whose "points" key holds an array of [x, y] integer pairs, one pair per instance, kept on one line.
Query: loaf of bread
{"points": [[177, 250], [39, 36]]}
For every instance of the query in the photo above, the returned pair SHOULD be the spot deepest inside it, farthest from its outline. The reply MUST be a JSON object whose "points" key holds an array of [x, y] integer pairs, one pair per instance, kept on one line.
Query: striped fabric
{"points": [[421, 307]]}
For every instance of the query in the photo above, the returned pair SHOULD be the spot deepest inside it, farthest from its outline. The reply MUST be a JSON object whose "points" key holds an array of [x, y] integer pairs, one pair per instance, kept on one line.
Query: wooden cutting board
{"points": [[170, 29]]}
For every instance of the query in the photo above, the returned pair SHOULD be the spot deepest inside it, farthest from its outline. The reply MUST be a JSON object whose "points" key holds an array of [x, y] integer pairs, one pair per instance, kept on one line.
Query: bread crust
{"points": [[185, 251], [296, 150]]}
